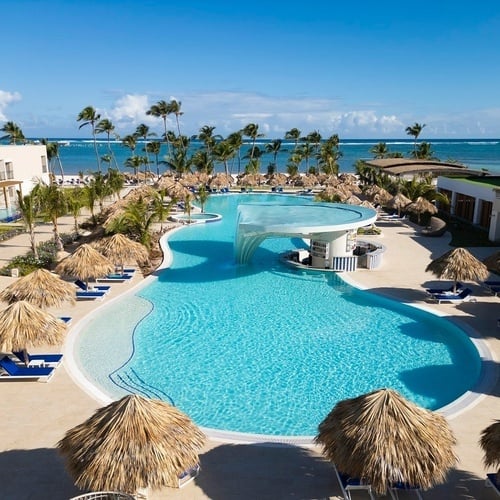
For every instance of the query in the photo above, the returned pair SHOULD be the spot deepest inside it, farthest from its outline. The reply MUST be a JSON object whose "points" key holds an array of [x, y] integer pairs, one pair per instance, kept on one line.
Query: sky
{"points": [[364, 69]]}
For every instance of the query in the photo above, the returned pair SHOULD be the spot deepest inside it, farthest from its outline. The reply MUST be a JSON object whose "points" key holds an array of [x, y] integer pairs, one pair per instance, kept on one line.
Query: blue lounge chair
{"points": [[115, 278], [433, 291], [348, 484], [464, 295], [492, 482], [492, 286], [66, 319], [46, 358], [102, 288], [13, 371], [90, 295], [396, 487]]}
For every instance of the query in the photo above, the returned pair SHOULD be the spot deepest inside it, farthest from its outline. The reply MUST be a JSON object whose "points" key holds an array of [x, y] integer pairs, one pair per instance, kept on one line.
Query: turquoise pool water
{"points": [[264, 348]]}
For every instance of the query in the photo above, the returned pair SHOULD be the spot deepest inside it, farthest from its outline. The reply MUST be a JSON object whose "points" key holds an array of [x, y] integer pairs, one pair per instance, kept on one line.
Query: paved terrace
{"points": [[35, 416]]}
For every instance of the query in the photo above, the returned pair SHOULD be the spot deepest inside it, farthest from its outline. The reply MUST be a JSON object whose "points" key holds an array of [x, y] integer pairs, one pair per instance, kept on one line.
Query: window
{"points": [[44, 164], [464, 206]]}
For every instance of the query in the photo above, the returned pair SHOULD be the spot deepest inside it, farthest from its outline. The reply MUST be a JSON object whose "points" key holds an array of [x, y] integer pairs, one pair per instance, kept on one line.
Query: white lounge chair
{"points": [[348, 484]]}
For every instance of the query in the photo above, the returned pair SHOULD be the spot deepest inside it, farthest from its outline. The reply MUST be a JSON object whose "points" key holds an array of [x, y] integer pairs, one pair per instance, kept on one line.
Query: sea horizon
{"points": [[77, 154]]}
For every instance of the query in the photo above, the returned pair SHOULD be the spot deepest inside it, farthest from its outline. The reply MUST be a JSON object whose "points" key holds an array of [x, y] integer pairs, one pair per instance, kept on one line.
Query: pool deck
{"points": [[35, 416]]}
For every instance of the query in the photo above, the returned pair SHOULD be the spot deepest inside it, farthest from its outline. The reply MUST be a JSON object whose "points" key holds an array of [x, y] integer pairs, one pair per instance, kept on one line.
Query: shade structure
{"points": [[421, 206], [492, 262], [173, 188], [490, 444], [458, 265], [119, 249], [40, 288], [221, 180], [398, 202], [23, 326], [277, 179], [85, 263], [131, 444], [383, 438], [382, 196]]}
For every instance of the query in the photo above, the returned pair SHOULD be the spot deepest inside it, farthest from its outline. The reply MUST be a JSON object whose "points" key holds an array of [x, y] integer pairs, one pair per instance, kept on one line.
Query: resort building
{"points": [[475, 200], [21, 167]]}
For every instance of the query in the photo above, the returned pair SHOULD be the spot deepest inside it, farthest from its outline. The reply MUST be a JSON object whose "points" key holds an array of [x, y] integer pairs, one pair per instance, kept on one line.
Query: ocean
{"points": [[77, 155]]}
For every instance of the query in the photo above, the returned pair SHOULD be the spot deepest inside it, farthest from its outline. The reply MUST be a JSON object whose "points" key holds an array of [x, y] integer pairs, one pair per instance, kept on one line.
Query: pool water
{"points": [[263, 348]]}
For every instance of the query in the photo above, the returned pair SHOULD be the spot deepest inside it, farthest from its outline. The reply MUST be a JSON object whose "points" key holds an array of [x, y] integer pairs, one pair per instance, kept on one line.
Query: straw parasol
{"points": [[40, 288], [421, 206], [353, 200], [23, 325], [131, 444], [383, 438], [492, 262], [490, 443], [458, 265], [398, 202], [221, 180], [85, 263], [120, 249], [382, 196]]}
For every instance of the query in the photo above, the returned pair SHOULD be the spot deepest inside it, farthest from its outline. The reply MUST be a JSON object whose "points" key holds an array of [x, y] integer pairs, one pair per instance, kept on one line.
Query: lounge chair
{"points": [[348, 484], [105, 495], [188, 475], [90, 295], [492, 482], [13, 371], [492, 286], [434, 291], [396, 487], [436, 227], [463, 296], [66, 319], [82, 286], [50, 359], [115, 278]]}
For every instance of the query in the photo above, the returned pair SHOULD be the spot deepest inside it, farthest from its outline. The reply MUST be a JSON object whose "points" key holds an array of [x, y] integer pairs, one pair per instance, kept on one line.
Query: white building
{"points": [[474, 199], [21, 167]]}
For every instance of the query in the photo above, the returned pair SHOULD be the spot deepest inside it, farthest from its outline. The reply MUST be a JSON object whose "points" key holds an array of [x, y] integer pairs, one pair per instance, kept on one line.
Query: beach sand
{"points": [[35, 416]]}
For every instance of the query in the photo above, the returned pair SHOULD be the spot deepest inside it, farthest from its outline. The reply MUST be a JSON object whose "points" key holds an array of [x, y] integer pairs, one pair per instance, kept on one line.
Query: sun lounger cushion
{"points": [[465, 294], [17, 371], [433, 291], [103, 288], [188, 475], [48, 358]]}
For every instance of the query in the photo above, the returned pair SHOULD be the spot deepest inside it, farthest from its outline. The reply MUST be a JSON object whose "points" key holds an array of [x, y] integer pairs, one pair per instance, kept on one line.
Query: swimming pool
{"points": [[263, 348]]}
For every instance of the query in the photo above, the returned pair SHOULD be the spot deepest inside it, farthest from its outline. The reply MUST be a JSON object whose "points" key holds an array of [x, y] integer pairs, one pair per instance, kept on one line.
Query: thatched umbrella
{"points": [[490, 443], [23, 325], [492, 262], [131, 444], [398, 202], [277, 179], [120, 249], [421, 206], [458, 264], [385, 439], [353, 200], [85, 263], [382, 196], [221, 180], [372, 190], [40, 288]]}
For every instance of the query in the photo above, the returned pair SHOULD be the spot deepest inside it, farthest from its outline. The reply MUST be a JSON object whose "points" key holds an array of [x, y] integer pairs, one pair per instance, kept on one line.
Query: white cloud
{"points": [[5, 99], [129, 111]]}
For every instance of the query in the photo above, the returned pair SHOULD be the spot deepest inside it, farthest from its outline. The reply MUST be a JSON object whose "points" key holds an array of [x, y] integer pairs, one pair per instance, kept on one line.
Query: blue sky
{"points": [[360, 69]]}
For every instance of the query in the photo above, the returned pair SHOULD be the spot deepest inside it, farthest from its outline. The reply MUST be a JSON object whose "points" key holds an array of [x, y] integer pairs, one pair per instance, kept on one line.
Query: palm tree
{"points": [[135, 163], [203, 161], [175, 108], [274, 148], [53, 204], [89, 116], [53, 156], [142, 130], [89, 198], [115, 181], [105, 126], [423, 152], [130, 141], [252, 131], [236, 141], [161, 110], [28, 208], [155, 148], [294, 135], [224, 151], [379, 150], [305, 151], [12, 132], [75, 199], [208, 138], [202, 197], [415, 131]]}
